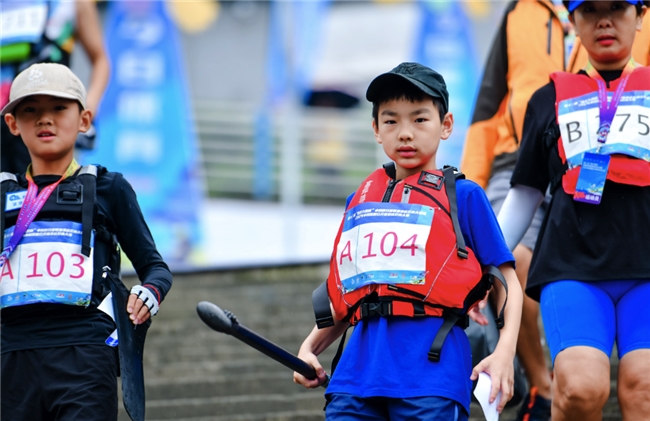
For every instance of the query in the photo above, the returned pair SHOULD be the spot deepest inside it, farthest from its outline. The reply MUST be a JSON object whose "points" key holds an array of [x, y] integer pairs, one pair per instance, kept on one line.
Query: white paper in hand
{"points": [[482, 393]]}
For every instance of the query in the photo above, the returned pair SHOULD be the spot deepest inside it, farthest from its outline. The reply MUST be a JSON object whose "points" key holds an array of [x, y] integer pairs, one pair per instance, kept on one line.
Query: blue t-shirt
{"points": [[388, 356]]}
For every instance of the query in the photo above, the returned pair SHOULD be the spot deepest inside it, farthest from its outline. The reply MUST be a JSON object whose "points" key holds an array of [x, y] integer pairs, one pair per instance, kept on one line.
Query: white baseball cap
{"points": [[45, 79]]}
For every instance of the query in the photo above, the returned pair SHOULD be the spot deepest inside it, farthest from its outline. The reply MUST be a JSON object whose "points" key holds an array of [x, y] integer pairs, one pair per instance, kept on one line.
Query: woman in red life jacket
{"points": [[587, 135]]}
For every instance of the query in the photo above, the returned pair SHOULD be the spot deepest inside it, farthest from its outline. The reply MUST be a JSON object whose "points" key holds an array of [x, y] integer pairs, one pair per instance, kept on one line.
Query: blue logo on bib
{"points": [[15, 200]]}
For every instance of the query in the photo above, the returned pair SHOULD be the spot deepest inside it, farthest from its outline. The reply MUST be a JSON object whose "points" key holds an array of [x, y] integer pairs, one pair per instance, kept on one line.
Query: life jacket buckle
{"points": [[69, 194], [382, 309]]}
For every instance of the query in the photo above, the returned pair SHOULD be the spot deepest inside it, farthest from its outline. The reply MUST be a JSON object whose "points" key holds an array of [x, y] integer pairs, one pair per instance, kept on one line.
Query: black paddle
{"points": [[226, 322]]}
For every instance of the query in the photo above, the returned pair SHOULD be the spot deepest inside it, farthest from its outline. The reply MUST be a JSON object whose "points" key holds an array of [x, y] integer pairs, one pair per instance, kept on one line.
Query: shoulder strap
{"points": [[88, 177], [450, 185], [4, 176], [7, 176]]}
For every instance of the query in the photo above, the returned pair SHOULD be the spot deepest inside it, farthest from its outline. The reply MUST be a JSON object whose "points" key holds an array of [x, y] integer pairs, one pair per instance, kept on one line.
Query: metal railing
{"points": [[337, 150]]}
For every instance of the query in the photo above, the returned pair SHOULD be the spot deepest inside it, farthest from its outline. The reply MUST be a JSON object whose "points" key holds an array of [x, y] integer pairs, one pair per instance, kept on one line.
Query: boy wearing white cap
{"points": [[60, 229]]}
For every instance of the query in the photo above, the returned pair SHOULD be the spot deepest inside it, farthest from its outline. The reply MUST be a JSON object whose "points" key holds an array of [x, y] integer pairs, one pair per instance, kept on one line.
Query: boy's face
{"points": [[48, 125], [410, 133], [607, 30]]}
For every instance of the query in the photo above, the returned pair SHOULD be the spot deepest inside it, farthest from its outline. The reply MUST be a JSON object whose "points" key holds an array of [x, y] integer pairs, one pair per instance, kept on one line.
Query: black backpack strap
{"points": [[322, 310], [4, 176], [494, 272], [450, 186], [88, 177]]}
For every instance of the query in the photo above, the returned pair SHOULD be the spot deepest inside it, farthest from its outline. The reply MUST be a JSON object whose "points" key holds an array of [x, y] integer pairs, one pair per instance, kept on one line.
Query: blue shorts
{"points": [[344, 407], [596, 314]]}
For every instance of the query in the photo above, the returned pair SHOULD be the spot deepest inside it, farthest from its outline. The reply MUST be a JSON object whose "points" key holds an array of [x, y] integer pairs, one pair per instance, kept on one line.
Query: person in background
{"points": [[534, 40], [585, 140], [46, 31]]}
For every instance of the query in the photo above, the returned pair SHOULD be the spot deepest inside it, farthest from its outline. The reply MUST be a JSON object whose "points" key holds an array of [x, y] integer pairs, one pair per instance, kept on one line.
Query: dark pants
{"points": [[13, 151], [344, 407], [60, 384]]}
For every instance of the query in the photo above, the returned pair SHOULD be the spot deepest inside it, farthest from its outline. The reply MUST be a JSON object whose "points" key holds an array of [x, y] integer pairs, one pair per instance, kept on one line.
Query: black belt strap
{"points": [[450, 186], [88, 176], [321, 302]]}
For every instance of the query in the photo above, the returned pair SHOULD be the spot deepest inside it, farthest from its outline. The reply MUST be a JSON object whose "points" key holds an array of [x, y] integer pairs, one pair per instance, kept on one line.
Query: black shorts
{"points": [[64, 383]]}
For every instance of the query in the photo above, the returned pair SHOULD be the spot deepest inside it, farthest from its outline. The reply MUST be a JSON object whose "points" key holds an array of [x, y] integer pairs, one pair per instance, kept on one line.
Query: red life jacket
{"points": [[452, 281], [622, 168]]}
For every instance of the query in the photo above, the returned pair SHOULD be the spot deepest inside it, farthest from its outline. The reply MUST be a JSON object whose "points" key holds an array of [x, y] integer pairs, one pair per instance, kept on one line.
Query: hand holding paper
{"points": [[482, 393]]}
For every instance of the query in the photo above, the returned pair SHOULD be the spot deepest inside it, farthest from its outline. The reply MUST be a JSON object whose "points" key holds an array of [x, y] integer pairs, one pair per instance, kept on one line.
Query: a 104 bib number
{"points": [[383, 243]]}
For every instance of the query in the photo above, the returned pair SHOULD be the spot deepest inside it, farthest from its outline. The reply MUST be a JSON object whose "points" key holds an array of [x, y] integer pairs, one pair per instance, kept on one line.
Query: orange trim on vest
{"points": [[449, 279], [622, 169]]}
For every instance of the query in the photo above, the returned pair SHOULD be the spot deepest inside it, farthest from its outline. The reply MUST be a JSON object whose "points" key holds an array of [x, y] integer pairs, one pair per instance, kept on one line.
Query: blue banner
{"points": [[446, 45], [144, 126]]}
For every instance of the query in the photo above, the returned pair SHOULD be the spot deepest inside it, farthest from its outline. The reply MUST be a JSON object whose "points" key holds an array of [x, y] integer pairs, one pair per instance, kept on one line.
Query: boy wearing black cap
{"points": [[407, 267], [59, 263]]}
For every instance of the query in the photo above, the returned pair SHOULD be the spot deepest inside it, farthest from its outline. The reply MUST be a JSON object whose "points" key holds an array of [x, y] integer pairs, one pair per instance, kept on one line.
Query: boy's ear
{"points": [[375, 129], [85, 120], [11, 123], [447, 126]]}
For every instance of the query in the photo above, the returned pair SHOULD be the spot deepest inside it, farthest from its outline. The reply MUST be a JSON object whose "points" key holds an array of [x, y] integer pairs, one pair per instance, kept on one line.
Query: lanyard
{"points": [[608, 111], [32, 204]]}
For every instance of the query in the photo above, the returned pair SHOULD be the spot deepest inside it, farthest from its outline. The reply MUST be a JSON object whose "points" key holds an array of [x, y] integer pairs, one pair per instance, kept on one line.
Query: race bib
{"points": [[47, 267], [579, 120], [383, 243], [22, 21]]}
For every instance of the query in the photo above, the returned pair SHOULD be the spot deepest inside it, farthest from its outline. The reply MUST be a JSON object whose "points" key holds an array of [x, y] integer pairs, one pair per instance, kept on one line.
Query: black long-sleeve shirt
{"points": [[51, 325], [579, 241]]}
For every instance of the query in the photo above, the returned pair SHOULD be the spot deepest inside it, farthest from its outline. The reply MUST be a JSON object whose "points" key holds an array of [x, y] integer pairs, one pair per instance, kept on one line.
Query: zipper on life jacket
{"points": [[427, 194], [406, 194], [389, 190]]}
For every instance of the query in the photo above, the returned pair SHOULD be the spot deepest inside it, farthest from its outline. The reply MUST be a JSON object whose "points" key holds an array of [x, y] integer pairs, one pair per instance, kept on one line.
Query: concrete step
{"points": [[278, 382], [173, 409], [305, 415]]}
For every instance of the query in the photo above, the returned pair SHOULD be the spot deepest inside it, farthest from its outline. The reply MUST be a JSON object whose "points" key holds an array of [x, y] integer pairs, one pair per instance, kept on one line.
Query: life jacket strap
{"points": [[4, 176], [494, 272], [88, 177], [450, 185], [450, 320]]}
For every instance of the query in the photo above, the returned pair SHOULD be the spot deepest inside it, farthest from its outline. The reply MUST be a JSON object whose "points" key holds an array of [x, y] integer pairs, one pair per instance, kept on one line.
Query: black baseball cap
{"points": [[425, 79]]}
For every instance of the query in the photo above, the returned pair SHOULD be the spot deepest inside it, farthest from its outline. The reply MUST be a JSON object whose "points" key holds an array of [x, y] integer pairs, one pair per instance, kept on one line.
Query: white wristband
{"points": [[147, 297]]}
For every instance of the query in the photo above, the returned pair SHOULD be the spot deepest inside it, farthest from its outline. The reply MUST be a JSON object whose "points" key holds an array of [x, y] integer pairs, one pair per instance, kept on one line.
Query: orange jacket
{"points": [[528, 47]]}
